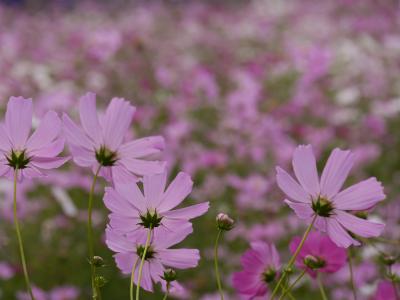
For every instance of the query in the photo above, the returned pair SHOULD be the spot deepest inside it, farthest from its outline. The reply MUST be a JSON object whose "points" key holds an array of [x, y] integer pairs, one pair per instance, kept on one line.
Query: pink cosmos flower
{"points": [[260, 267], [385, 291], [158, 255], [30, 155], [100, 141], [322, 197], [318, 254], [133, 212]]}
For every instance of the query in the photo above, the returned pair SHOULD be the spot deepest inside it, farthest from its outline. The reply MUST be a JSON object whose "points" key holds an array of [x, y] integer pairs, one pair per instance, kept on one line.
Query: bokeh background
{"points": [[233, 86]]}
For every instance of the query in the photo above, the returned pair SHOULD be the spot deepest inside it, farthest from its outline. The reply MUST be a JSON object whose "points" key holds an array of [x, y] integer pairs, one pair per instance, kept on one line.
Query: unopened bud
{"points": [[362, 214], [98, 261], [169, 275], [100, 281], [224, 222], [388, 260], [314, 262]]}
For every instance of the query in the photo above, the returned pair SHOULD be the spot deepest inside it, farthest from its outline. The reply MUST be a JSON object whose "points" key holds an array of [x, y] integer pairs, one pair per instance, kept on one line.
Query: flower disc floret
{"points": [[106, 157], [322, 207], [18, 159]]}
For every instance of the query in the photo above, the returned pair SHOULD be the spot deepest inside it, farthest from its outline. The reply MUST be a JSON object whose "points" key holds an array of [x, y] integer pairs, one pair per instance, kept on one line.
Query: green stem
{"points": [[167, 292], [321, 287], [293, 284], [142, 263], [220, 290], [132, 279], [20, 244], [293, 258], [353, 288], [95, 290]]}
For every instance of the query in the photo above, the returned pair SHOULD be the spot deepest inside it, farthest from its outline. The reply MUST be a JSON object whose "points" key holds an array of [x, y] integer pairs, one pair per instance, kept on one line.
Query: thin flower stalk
{"points": [[293, 258], [288, 290], [217, 275], [353, 288], [167, 291], [132, 279], [321, 287], [20, 243], [146, 247]]}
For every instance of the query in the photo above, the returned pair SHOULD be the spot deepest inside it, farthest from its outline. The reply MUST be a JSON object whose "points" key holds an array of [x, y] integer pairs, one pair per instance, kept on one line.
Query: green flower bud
{"points": [[224, 222]]}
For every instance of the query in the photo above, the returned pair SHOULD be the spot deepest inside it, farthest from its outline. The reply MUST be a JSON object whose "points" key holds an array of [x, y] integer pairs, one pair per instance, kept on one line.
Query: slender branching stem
{"points": [[293, 258], [132, 279], [293, 284], [321, 287], [350, 262], [218, 277], [167, 292], [146, 247]]}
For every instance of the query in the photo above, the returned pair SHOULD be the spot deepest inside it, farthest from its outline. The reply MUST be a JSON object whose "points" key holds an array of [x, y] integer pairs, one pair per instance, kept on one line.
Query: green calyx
{"points": [[314, 262], [269, 275], [150, 220], [18, 159], [106, 157], [322, 207], [149, 253], [169, 275]]}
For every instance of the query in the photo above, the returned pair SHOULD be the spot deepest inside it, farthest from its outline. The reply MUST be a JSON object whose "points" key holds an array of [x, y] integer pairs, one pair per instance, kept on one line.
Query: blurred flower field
{"points": [[233, 88]]}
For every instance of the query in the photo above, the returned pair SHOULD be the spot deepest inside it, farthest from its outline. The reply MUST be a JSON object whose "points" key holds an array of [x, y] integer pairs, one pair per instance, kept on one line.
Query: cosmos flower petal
{"points": [[88, 117], [117, 204], [339, 235], [154, 186], [179, 258], [50, 150], [145, 282], [117, 242], [156, 270], [5, 144], [75, 135], [176, 192], [302, 210], [125, 261], [30, 172], [116, 121], [189, 212], [290, 187], [132, 194], [142, 147], [47, 132], [305, 168], [48, 162], [143, 167], [361, 227], [172, 233], [81, 156], [123, 224], [18, 122], [335, 172], [360, 196]]}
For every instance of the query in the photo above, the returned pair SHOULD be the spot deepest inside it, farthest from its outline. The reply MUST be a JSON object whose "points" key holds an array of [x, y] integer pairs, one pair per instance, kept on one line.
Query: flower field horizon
{"points": [[200, 150]]}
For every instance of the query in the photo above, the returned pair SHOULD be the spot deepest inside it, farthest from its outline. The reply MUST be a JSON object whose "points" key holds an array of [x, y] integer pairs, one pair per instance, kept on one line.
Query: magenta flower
{"points": [[158, 256], [260, 267], [322, 197], [133, 212], [30, 155], [385, 291], [100, 141], [318, 254]]}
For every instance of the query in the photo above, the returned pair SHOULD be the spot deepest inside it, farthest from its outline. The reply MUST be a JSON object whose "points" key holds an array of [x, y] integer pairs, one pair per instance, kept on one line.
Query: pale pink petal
{"points": [[290, 187], [142, 147], [82, 156], [132, 194], [125, 225], [302, 210], [4, 167], [146, 282], [305, 168], [125, 261], [48, 162], [165, 238], [50, 150], [321, 224], [176, 192], [360, 196], [359, 226], [189, 212], [179, 258], [143, 167], [156, 270], [18, 122], [5, 143], [154, 186], [47, 131], [30, 172], [116, 121], [121, 175], [118, 204], [339, 235], [75, 135], [88, 117], [335, 172], [118, 243]]}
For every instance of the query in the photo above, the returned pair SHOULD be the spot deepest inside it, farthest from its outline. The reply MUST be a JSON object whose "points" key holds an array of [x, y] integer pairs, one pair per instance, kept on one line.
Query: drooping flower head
{"points": [[134, 212], [158, 257], [261, 265], [100, 141], [30, 155], [318, 254], [322, 197]]}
